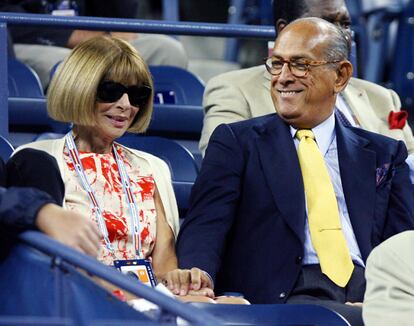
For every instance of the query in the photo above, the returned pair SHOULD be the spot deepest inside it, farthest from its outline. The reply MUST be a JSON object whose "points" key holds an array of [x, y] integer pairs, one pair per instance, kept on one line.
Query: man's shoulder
{"points": [[377, 141], [240, 76], [367, 86], [255, 125]]}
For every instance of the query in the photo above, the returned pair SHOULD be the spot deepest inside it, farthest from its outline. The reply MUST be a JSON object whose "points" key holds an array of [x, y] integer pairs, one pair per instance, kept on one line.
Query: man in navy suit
{"points": [[247, 225]]}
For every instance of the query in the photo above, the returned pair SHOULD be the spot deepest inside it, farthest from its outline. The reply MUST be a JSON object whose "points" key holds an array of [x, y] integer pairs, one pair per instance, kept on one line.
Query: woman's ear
{"points": [[343, 74]]}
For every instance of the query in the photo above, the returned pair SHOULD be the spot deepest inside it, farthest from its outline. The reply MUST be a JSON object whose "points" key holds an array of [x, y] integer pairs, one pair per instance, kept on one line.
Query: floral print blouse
{"points": [[102, 173]]}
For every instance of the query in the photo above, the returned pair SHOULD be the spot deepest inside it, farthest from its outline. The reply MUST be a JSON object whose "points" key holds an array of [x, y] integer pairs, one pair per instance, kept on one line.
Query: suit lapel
{"points": [[281, 168], [357, 166], [357, 99]]}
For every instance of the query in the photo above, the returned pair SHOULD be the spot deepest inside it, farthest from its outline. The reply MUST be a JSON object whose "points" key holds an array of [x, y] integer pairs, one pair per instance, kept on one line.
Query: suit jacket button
{"points": [[298, 259], [282, 295]]}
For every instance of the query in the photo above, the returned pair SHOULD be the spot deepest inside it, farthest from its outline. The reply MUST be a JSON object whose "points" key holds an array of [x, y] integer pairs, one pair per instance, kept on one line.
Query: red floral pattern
{"points": [[103, 176]]}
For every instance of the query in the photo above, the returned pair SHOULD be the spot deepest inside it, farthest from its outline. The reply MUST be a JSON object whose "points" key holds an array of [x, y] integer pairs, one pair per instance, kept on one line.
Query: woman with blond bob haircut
{"points": [[104, 88], [94, 60]]}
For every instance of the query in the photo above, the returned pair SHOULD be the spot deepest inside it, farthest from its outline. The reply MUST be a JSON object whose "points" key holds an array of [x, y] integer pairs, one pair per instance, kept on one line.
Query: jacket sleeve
{"points": [[389, 297], [400, 216], [213, 204], [223, 102], [19, 207], [35, 168]]}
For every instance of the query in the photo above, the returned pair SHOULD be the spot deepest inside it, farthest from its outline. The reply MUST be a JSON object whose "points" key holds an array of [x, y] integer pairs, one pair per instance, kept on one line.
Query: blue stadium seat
{"points": [[274, 314], [49, 135], [6, 149], [183, 123], [27, 105], [175, 85], [181, 162], [176, 121], [23, 80], [178, 112]]}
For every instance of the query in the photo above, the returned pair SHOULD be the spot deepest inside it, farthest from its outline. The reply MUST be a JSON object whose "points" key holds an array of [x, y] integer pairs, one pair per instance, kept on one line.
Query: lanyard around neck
{"points": [[126, 185]]}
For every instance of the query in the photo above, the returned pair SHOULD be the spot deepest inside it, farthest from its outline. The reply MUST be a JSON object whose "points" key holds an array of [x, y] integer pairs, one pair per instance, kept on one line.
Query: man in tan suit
{"points": [[389, 298], [243, 94]]}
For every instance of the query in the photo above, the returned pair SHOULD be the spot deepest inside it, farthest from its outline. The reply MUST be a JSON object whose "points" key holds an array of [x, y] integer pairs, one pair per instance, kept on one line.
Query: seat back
{"points": [[181, 162], [175, 85], [27, 105], [6, 149], [176, 121], [23, 80]]}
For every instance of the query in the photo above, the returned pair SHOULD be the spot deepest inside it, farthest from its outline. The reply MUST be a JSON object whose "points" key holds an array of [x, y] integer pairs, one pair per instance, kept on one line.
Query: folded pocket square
{"points": [[381, 173], [397, 120]]}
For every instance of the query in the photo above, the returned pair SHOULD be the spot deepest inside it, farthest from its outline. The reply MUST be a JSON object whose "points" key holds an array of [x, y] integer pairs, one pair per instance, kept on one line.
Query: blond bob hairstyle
{"points": [[72, 95]]}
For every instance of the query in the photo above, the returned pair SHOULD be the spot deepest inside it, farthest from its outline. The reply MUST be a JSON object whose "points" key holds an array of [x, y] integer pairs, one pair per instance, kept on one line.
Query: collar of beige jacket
{"points": [[358, 102]]}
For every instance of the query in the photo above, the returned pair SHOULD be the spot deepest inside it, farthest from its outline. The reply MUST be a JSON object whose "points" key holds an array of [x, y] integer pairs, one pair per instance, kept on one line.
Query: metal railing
{"points": [[65, 255]]}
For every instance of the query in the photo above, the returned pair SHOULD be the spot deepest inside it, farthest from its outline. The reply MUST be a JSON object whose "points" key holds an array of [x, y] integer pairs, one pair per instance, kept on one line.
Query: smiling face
{"points": [[307, 101], [113, 119]]}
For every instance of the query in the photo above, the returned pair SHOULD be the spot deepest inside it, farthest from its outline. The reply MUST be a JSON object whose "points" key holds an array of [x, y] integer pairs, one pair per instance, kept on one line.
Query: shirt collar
{"points": [[324, 133]]}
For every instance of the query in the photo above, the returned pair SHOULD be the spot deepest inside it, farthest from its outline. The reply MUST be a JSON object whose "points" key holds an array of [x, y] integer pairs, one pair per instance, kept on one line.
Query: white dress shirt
{"points": [[345, 109]]}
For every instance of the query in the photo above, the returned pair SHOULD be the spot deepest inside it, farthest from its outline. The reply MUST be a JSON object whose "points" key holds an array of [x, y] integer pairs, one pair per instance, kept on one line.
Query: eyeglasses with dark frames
{"points": [[299, 68]]}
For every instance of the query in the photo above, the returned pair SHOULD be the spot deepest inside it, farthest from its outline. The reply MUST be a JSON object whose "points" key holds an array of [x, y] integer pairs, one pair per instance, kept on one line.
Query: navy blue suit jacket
{"points": [[245, 225]]}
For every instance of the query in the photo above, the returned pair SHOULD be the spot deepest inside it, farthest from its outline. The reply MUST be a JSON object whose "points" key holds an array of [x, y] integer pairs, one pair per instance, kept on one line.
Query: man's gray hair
{"points": [[338, 47]]}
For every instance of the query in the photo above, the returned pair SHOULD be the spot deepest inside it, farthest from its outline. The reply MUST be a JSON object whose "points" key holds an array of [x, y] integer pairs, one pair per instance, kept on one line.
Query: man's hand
{"points": [[186, 281], [70, 228]]}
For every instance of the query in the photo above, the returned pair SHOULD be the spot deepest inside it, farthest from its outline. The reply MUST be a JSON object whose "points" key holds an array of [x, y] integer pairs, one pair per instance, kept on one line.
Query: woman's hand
{"points": [[189, 281]]}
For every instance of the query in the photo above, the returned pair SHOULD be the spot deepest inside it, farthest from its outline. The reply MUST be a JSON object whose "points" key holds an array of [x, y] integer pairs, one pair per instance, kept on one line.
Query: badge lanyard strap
{"points": [[126, 185], [74, 155]]}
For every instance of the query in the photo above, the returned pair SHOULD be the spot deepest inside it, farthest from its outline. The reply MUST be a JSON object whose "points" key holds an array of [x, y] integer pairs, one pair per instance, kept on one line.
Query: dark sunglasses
{"points": [[109, 92]]}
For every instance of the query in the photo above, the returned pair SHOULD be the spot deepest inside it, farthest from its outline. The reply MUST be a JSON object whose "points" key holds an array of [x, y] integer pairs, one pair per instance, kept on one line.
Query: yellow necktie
{"points": [[323, 216]]}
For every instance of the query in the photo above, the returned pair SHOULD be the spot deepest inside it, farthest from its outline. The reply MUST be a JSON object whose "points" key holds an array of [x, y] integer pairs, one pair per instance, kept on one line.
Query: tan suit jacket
{"points": [[243, 94], [389, 298]]}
